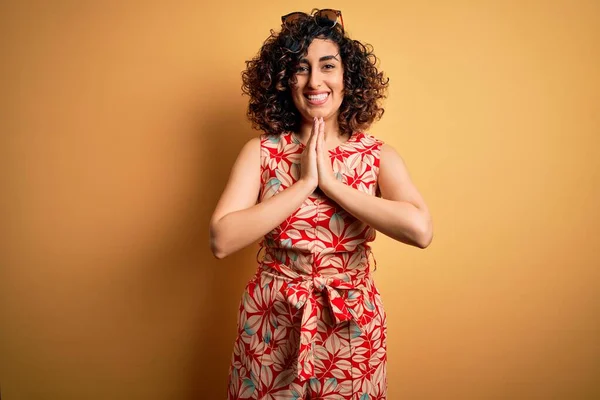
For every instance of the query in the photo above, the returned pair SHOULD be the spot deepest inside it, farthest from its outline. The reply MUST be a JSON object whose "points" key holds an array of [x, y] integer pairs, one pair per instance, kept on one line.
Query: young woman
{"points": [[315, 186]]}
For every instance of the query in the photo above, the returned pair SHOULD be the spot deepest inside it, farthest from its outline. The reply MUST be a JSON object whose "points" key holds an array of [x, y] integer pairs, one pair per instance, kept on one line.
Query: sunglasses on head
{"points": [[326, 17]]}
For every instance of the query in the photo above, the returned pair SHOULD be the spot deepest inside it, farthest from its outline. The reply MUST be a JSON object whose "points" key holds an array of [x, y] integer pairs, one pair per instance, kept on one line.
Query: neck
{"points": [[332, 129]]}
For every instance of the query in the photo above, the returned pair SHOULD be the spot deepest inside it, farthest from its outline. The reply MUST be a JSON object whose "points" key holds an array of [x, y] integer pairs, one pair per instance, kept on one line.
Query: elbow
{"points": [[217, 251], [424, 236], [216, 247], [425, 241]]}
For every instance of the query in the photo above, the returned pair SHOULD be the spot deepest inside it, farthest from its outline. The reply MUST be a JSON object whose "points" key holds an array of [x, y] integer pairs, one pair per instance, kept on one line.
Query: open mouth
{"points": [[317, 99]]}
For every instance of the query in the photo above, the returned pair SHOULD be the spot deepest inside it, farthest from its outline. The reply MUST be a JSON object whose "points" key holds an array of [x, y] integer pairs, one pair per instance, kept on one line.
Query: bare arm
{"points": [[238, 220], [401, 212]]}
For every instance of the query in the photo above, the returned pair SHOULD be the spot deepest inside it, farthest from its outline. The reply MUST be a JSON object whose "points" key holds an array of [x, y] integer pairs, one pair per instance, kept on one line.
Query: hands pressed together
{"points": [[315, 163]]}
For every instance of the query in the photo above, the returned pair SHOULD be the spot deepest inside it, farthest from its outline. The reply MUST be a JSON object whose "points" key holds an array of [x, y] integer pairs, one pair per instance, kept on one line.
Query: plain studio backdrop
{"points": [[120, 123]]}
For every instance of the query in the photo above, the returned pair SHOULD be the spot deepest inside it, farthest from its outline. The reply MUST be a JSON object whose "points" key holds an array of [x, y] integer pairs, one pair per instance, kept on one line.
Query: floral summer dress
{"points": [[311, 323]]}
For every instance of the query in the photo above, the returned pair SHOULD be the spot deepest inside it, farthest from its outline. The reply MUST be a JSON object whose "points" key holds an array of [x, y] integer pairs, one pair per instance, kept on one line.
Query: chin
{"points": [[318, 114]]}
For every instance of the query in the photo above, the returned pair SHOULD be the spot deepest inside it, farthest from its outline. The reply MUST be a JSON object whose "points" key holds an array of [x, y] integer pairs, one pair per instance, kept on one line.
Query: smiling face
{"points": [[319, 87]]}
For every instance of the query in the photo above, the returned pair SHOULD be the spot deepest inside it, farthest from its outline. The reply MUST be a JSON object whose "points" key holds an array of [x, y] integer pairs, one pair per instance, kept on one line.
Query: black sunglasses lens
{"points": [[290, 18], [326, 17]]}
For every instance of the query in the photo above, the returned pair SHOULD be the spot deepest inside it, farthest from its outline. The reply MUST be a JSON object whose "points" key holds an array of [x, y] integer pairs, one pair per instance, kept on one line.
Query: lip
{"points": [[316, 102]]}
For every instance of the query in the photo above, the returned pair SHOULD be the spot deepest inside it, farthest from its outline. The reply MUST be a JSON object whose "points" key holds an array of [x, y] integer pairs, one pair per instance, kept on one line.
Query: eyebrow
{"points": [[324, 58]]}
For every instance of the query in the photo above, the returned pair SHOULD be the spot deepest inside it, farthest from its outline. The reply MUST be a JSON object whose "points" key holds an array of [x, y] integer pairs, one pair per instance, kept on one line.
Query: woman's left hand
{"points": [[326, 176]]}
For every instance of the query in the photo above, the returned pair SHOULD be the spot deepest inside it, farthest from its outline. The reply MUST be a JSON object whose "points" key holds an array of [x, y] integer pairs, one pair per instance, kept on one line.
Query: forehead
{"points": [[320, 48]]}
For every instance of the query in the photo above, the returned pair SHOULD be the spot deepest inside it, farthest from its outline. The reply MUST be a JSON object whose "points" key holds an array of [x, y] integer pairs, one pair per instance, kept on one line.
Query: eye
{"points": [[329, 66], [301, 69]]}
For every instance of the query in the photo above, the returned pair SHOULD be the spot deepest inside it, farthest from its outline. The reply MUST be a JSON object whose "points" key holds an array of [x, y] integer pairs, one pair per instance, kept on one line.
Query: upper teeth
{"points": [[317, 97]]}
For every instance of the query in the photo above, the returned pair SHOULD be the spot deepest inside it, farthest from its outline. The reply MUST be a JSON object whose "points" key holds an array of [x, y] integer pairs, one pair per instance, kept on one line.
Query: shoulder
{"points": [[274, 140], [250, 152], [263, 140], [264, 145], [253, 144], [388, 150], [390, 159]]}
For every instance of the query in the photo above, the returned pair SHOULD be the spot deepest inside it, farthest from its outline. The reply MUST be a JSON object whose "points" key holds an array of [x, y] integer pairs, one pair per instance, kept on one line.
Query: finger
{"points": [[313, 134], [318, 135], [322, 129], [316, 126], [322, 133], [312, 130], [319, 145]]}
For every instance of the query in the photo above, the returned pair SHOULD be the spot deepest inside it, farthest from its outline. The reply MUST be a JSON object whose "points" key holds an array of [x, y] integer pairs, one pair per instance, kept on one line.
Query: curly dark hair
{"points": [[268, 76]]}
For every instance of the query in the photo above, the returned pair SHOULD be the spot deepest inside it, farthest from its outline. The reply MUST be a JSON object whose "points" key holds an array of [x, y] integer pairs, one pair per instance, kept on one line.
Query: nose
{"points": [[316, 79]]}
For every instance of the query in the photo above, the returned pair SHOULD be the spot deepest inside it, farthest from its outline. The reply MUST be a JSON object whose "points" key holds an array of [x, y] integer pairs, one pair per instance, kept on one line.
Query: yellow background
{"points": [[121, 120]]}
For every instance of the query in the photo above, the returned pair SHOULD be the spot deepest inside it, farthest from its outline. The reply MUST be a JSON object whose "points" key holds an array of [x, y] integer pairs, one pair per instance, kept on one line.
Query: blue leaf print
{"points": [[248, 388], [248, 330], [355, 330], [267, 337], [286, 243], [330, 385], [252, 323], [272, 187], [280, 256], [365, 397], [273, 320], [369, 305]]}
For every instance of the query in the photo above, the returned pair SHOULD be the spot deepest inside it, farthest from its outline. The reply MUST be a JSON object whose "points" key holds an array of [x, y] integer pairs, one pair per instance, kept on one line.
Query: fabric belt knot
{"points": [[301, 294]]}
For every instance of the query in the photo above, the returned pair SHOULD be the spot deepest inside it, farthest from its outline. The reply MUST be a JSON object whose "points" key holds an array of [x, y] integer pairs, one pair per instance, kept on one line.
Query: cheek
{"points": [[296, 94], [296, 89], [339, 84]]}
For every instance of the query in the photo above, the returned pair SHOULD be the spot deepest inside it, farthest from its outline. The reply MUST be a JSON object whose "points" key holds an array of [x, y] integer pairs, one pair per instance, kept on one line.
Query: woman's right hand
{"points": [[308, 159]]}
